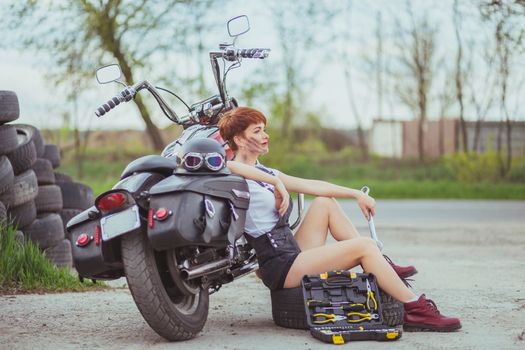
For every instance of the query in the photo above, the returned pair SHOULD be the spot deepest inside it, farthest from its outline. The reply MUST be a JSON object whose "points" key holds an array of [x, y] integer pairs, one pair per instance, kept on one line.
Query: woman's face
{"points": [[254, 140]]}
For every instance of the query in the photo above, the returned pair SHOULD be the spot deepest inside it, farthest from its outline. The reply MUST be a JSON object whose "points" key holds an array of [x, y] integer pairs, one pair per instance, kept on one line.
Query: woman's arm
{"points": [[252, 173], [326, 189]]}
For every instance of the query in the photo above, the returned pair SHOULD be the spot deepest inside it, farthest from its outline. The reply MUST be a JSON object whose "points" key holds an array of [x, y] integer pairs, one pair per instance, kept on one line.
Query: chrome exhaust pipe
{"points": [[204, 269], [245, 269]]}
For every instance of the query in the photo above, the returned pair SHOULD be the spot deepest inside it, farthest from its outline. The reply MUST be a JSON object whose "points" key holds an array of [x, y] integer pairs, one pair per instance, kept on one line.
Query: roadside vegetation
{"points": [[25, 269], [461, 175]]}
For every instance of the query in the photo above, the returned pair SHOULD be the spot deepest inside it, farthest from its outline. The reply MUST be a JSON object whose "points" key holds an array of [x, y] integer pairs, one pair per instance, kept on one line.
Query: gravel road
{"points": [[470, 257]]}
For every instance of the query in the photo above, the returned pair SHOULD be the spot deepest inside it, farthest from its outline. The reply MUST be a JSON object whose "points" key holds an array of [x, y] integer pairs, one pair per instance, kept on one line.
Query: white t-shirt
{"points": [[262, 215]]}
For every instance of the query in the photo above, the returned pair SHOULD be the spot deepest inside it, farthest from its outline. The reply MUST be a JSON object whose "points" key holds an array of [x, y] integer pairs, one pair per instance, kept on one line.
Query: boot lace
{"points": [[431, 306]]}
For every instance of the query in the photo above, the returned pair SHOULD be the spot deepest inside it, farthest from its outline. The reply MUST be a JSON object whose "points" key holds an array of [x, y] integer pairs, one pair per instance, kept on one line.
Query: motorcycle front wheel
{"points": [[169, 312]]}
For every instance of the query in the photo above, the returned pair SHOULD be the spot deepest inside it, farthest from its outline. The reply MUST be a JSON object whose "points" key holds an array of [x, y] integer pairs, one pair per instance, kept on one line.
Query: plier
{"points": [[361, 317], [370, 296], [326, 318]]}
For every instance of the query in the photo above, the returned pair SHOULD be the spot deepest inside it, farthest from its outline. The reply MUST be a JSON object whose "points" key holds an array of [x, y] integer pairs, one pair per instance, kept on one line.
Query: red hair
{"points": [[234, 122]]}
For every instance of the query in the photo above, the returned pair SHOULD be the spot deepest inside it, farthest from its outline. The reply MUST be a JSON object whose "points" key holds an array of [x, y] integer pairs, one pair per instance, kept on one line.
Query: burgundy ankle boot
{"points": [[423, 315], [402, 271]]}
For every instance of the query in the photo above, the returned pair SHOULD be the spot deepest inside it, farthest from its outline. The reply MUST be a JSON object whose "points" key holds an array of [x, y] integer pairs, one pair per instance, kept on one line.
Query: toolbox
{"points": [[344, 306]]}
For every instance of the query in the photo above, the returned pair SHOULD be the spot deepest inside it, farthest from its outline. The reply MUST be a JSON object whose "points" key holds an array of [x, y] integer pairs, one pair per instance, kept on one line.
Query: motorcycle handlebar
{"points": [[125, 95], [232, 54], [260, 53]]}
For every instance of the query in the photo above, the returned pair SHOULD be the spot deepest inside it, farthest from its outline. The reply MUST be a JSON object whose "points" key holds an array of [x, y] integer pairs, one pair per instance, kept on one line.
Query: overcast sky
{"points": [[43, 105]]}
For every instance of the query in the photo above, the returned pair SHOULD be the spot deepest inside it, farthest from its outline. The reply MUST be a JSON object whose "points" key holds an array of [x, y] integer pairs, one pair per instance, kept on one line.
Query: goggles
{"points": [[194, 161]]}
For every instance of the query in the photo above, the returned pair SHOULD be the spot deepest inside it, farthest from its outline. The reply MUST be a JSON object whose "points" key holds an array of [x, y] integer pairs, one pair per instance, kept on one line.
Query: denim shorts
{"points": [[276, 251]]}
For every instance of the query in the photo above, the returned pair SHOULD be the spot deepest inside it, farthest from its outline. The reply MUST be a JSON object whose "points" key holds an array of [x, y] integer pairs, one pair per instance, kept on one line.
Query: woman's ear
{"points": [[238, 141]]}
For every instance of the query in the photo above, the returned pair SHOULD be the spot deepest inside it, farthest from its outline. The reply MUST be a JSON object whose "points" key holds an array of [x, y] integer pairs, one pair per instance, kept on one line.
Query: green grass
{"points": [[441, 189], [25, 269], [387, 178]]}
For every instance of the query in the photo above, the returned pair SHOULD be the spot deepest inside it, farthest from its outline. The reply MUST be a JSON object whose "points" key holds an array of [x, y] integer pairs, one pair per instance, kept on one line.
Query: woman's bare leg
{"points": [[344, 255], [324, 213]]}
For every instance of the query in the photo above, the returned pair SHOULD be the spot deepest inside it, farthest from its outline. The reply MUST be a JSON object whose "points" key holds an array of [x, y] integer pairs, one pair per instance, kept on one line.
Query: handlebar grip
{"points": [[125, 95], [254, 53]]}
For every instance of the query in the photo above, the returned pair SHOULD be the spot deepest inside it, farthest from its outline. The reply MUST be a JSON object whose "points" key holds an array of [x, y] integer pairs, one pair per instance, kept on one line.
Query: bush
{"points": [[474, 167], [517, 170]]}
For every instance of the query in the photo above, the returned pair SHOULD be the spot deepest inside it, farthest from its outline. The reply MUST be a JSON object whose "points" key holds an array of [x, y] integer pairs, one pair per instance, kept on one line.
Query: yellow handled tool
{"points": [[326, 318], [370, 296], [361, 317]]}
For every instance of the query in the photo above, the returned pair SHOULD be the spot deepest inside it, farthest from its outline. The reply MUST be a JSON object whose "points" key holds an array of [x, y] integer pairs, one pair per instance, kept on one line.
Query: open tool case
{"points": [[344, 306]]}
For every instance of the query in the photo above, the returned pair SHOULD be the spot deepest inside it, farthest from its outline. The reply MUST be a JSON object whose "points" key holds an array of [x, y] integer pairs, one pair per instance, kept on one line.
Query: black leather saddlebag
{"points": [[197, 210], [94, 259]]}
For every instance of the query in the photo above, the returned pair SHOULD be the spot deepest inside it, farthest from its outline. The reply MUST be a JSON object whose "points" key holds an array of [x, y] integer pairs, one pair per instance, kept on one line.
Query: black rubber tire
{"points": [[393, 310], [25, 187], [150, 295], [24, 156], [23, 215], [49, 199], [61, 177], [76, 195], [46, 231], [52, 153], [66, 215], [44, 171], [60, 254], [9, 108], [35, 136], [8, 139], [8, 197], [3, 214], [288, 309], [6, 174]]}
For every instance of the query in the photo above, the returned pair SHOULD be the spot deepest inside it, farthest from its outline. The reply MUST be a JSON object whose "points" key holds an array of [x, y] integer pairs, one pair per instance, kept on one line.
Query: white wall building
{"points": [[386, 138]]}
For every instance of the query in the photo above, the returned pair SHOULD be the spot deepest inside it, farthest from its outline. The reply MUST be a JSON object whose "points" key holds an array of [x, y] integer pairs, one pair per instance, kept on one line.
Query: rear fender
{"points": [[97, 259], [138, 182]]}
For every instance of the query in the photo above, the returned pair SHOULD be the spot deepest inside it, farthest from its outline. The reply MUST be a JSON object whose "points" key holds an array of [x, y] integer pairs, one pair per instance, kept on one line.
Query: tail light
{"points": [[111, 201]]}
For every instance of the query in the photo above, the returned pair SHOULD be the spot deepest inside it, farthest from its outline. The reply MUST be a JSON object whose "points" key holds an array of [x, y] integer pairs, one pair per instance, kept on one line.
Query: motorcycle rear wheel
{"points": [[170, 313]]}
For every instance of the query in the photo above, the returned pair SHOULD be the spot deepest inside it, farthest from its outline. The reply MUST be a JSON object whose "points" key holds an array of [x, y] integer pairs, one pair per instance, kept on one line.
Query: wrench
{"points": [[371, 226]]}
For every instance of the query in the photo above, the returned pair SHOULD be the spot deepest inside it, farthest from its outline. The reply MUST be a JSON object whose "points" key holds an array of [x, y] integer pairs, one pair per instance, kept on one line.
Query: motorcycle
{"points": [[177, 238]]}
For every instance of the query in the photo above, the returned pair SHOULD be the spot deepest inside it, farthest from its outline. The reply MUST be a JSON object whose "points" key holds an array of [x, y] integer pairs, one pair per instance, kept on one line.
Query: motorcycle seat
{"points": [[151, 163]]}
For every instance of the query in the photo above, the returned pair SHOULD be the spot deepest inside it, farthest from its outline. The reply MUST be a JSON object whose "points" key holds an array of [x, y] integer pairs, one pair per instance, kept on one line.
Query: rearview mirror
{"points": [[238, 25], [108, 74]]}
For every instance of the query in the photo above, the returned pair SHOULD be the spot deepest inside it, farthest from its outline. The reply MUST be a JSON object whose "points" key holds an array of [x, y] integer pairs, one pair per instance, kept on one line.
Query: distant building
{"points": [[399, 139], [386, 138]]}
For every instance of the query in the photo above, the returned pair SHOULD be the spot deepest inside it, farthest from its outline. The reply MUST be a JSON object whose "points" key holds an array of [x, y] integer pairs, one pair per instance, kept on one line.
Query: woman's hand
{"points": [[367, 204], [282, 198]]}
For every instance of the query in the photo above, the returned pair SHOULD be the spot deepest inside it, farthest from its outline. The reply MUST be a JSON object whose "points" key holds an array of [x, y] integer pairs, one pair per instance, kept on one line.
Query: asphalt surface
{"points": [[469, 254]]}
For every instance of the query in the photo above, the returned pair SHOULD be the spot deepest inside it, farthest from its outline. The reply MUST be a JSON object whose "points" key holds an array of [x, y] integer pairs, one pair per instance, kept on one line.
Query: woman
{"points": [[285, 259]]}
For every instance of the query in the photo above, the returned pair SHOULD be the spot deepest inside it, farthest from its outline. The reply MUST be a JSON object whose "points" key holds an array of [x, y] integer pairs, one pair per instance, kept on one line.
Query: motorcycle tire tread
{"points": [[145, 286]]}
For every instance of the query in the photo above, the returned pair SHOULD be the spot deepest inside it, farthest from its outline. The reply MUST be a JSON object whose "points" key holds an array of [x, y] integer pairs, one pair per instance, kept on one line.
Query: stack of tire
{"points": [[35, 198]]}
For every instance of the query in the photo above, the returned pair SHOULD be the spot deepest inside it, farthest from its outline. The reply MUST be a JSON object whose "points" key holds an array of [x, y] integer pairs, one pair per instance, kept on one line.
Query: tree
{"points": [[88, 33], [509, 34], [459, 76], [416, 46], [482, 96], [446, 100], [295, 40], [347, 67]]}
